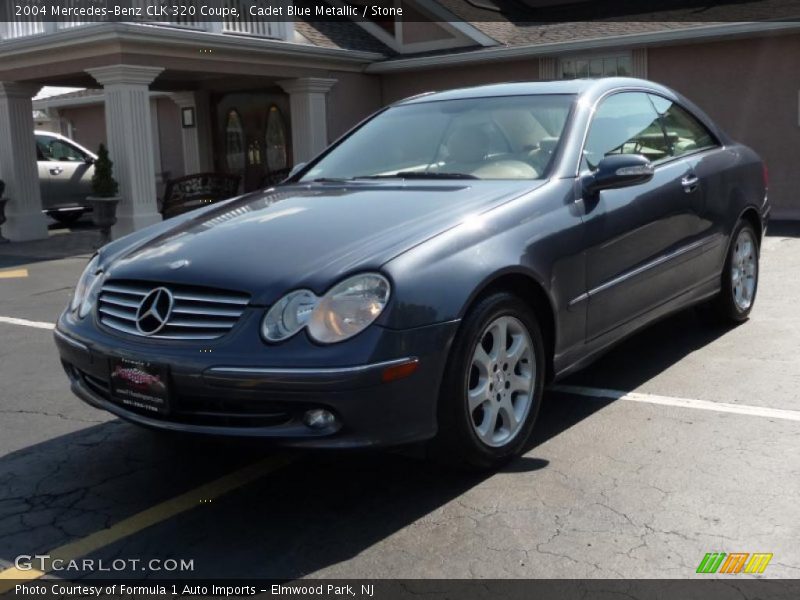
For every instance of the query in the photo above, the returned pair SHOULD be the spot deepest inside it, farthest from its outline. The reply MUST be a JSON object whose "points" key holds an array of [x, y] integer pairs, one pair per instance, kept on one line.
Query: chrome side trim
{"points": [[640, 269], [259, 371], [72, 342]]}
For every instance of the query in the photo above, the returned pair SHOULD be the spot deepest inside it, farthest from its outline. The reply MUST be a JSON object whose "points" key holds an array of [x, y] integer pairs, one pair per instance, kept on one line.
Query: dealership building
{"points": [[252, 97]]}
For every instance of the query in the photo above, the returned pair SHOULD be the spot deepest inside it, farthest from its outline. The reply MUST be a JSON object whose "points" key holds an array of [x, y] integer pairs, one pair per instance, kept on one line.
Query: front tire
{"points": [[493, 385]]}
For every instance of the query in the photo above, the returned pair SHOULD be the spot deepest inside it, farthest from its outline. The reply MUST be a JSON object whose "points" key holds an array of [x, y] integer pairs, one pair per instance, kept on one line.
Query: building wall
{"points": [[88, 124], [401, 85], [750, 88], [354, 97]]}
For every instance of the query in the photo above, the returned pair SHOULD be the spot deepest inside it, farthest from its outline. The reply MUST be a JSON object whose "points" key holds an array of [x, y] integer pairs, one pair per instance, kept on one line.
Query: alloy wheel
{"points": [[501, 381], [744, 270]]}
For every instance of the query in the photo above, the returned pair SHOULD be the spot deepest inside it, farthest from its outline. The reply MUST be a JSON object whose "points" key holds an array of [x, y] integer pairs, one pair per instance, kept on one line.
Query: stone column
{"points": [[309, 115], [130, 142], [197, 157], [18, 168]]}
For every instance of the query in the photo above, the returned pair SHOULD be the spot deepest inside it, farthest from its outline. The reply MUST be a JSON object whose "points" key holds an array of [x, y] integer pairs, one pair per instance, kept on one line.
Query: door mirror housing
{"points": [[618, 171], [88, 160]]}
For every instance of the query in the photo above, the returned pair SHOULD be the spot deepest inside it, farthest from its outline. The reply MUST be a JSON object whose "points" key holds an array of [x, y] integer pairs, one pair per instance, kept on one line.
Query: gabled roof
{"points": [[345, 35]]}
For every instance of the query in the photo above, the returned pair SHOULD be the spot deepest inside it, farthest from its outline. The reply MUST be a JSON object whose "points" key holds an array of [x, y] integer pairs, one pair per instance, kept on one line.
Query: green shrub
{"points": [[103, 183]]}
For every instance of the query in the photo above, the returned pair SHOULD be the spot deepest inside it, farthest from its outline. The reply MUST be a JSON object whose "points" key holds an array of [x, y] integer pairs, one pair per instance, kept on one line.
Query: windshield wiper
{"points": [[420, 175], [327, 180]]}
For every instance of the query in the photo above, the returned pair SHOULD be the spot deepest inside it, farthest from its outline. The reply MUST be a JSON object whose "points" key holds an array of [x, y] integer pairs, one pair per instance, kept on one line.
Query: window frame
{"points": [[716, 143], [54, 138], [656, 165]]}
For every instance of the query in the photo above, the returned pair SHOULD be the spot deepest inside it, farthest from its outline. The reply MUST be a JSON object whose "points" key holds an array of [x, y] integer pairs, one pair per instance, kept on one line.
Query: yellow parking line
{"points": [[14, 274], [148, 518]]}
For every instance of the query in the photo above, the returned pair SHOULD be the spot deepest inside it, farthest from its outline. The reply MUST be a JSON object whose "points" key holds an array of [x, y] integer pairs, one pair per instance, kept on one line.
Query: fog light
{"points": [[318, 418]]}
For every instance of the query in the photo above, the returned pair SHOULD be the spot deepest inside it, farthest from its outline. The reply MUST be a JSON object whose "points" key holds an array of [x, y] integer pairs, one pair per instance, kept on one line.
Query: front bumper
{"points": [[216, 390]]}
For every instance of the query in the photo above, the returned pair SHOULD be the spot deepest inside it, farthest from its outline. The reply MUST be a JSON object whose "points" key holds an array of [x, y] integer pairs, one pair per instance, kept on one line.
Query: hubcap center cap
{"points": [[500, 379]]}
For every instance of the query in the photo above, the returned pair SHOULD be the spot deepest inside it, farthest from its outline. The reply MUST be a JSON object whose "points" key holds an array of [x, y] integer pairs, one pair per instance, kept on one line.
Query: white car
{"points": [[65, 175]]}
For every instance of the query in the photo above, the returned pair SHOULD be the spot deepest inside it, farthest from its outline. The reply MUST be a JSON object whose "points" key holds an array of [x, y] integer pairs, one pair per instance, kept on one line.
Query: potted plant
{"points": [[104, 198], [2, 209]]}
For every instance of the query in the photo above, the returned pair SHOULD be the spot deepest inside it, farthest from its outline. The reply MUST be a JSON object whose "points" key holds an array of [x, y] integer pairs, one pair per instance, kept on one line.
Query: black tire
{"points": [[67, 217], [457, 443], [723, 308]]}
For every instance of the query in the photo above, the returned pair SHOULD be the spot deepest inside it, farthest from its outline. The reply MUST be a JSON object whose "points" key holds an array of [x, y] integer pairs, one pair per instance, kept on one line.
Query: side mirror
{"points": [[295, 170], [618, 171], [88, 160]]}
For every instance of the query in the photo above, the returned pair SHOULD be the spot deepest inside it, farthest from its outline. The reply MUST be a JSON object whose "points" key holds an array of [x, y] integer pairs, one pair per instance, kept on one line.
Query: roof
{"points": [[524, 88], [345, 35], [510, 23]]}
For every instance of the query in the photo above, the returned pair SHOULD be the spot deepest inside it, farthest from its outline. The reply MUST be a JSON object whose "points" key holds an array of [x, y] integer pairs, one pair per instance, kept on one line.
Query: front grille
{"points": [[197, 313]]}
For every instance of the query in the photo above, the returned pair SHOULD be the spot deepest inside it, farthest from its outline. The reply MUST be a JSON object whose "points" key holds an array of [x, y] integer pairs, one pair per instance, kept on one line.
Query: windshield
{"points": [[510, 137]]}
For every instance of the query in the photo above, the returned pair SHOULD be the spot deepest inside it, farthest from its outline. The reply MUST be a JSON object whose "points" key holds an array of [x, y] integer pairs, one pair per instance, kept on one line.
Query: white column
{"points": [[309, 115], [547, 68], [197, 157], [18, 168], [156, 140], [130, 142], [639, 62]]}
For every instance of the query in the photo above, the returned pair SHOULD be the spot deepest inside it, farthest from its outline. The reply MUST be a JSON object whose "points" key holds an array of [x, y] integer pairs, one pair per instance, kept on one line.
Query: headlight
{"points": [[86, 280], [344, 311], [91, 296], [289, 315]]}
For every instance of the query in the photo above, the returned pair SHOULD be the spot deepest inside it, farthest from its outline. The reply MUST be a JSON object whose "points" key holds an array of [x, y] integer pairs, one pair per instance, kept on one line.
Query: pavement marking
{"points": [[27, 323], [14, 274], [739, 409], [147, 518]]}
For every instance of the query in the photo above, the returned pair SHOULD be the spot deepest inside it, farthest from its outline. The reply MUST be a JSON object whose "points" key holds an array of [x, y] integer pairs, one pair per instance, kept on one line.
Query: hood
{"points": [[307, 236]]}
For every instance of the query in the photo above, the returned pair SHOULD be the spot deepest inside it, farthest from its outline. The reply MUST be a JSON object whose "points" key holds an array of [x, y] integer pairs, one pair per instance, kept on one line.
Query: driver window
{"points": [[58, 150], [625, 123]]}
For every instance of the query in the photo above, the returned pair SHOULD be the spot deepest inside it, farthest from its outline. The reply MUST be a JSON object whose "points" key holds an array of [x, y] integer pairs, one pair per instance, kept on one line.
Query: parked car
{"points": [[65, 176], [427, 275]]}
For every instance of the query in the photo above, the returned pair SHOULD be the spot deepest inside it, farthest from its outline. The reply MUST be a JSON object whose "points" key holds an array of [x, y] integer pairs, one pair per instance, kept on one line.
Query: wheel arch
{"points": [[530, 290], [751, 215]]}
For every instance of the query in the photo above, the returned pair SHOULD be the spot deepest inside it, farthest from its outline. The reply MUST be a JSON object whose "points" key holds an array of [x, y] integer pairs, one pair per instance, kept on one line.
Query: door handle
{"points": [[56, 171], [690, 183]]}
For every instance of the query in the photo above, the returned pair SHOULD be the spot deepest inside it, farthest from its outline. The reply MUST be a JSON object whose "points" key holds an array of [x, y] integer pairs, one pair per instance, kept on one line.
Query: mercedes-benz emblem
{"points": [[154, 311]]}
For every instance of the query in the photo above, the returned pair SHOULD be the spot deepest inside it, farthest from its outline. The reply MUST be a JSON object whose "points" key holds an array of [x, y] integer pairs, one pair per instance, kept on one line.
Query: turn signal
{"points": [[399, 371]]}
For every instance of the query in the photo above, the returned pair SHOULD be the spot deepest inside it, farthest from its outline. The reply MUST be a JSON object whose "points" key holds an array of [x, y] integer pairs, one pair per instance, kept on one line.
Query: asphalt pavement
{"points": [[682, 441]]}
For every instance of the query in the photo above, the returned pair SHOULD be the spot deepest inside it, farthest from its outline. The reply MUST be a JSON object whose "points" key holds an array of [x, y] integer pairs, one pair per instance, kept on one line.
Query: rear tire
{"points": [[739, 278], [493, 385]]}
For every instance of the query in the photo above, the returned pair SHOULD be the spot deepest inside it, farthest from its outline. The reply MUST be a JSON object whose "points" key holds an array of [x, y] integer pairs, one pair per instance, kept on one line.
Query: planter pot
{"points": [[104, 215], [2, 218]]}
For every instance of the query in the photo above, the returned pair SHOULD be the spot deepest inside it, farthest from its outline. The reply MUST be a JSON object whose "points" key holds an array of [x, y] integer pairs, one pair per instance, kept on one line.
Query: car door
{"points": [[707, 164], [634, 234], [70, 172]]}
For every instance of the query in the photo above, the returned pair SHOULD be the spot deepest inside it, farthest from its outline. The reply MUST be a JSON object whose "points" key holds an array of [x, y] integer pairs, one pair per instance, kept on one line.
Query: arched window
{"points": [[234, 142], [277, 154]]}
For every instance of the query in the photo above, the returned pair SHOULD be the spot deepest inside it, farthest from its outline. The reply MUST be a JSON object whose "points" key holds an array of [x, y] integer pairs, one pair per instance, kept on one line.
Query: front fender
{"points": [[538, 235]]}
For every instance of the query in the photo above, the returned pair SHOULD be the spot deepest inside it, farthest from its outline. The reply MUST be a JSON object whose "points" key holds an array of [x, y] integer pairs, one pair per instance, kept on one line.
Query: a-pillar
{"points": [[130, 142], [18, 168], [309, 115]]}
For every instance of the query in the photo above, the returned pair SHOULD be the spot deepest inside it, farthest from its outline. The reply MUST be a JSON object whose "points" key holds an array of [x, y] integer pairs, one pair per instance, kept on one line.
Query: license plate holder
{"points": [[140, 385]]}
